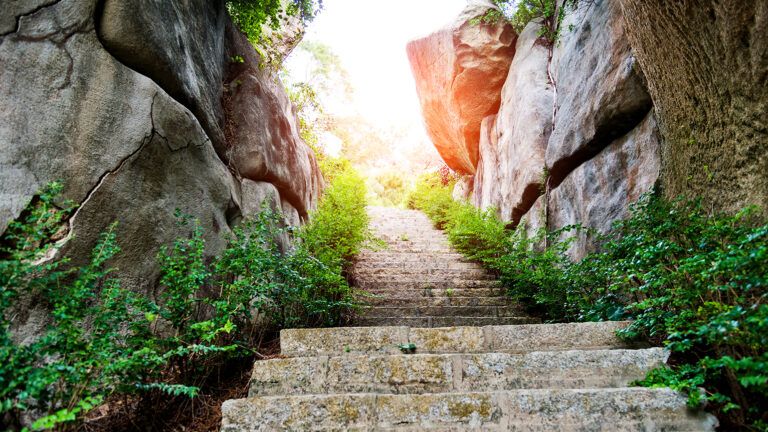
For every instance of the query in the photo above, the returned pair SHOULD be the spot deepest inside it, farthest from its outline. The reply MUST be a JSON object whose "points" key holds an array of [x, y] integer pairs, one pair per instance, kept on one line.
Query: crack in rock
{"points": [[103, 178], [18, 18]]}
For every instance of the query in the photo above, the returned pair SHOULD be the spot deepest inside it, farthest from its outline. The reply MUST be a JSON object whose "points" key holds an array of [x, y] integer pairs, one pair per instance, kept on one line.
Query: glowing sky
{"points": [[370, 37]]}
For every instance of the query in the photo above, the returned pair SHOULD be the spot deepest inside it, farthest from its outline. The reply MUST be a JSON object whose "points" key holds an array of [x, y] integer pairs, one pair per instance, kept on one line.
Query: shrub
{"points": [[339, 227], [433, 195], [103, 340], [250, 16], [67, 370], [692, 281], [521, 12], [698, 283]]}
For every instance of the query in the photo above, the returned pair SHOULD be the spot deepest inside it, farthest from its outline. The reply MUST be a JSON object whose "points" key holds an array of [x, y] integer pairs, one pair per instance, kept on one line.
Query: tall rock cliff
{"points": [[706, 63], [574, 139], [141, 108]]}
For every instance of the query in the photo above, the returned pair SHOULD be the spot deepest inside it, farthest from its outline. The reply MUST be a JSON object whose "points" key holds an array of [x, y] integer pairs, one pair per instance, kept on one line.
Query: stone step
{"points": [[434, 279], [412, 249], [415, 262], [417, 271], [441, 311], [442, 321], [620, 410], [434, 293], [511, 339], [425, 301], [447, 373], [388, 256], [389, 285]]}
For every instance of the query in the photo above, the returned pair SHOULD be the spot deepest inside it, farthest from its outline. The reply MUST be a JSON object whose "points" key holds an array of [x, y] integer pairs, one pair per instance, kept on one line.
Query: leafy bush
{"points": [[68, 370], [699, 284], [433, 195], [521, 12], [694, 282], [103, 340], [339, 227], [251, 16]]}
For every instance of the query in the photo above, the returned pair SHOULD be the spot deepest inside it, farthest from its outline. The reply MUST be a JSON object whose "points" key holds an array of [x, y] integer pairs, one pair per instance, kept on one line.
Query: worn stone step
{"points": [[619, 410], [416, 263], [439, 311], [378, 285], [423, 301], [434, 293], [513, 339], [430, 279], [418, 272], [386, 256], [442, 321], [446, 373]]}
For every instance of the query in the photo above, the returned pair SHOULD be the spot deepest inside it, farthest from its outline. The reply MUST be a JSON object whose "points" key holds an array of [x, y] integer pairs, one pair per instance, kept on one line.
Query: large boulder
{"points": [[133, 145], [706, 64], [179, 45], [523, 125], [600, 91], [263, 130], [599, 192], [459, 73], [125, 150], [205, 61]]}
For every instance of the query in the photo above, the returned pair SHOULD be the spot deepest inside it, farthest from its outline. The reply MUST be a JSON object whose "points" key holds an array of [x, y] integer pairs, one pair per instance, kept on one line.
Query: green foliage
{"points": [[251, 16], [699, 283], [433, 194], [692, 281], [94, 344], [521, 12], [103, 340], [339, 227]]}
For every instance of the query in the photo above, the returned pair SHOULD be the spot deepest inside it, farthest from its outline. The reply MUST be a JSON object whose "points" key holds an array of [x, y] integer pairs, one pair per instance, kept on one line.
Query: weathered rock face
{"points": [[600, 91], [522, 129], [573, 141], [459, 73], [263, 134], [600, 190], [188, 66], [485, 190], [706, 63], [130, 145]]}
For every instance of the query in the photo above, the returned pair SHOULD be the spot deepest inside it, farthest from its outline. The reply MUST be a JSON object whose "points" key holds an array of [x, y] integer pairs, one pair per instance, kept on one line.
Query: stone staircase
{"points": [[397, 372], [419, 280]]}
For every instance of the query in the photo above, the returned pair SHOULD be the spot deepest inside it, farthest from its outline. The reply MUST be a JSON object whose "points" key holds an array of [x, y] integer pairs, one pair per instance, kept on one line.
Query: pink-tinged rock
{"points": [[599, 192], [459, 72], [513, 147], [600, 91]]}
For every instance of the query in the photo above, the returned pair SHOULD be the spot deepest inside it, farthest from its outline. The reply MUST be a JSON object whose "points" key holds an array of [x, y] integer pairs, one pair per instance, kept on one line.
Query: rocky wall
{"points": [[574, 140], [140, 108]]}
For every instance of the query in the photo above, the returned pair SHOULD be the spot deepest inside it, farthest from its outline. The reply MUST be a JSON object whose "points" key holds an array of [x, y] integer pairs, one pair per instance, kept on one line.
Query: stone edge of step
{"points": [[503, 338], [489, 410], [453, 372]]}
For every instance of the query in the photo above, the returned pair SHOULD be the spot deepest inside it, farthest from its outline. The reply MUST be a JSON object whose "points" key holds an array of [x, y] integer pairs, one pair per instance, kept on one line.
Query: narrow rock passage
{"points": [[419, 280], [396, 372]]}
